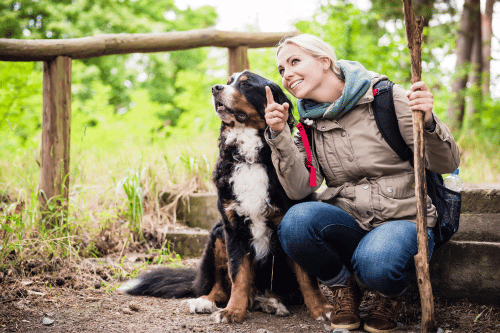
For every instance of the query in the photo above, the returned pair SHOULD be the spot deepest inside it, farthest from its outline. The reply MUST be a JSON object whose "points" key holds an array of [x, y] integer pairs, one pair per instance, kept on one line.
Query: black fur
{"points": [[274, 270]]}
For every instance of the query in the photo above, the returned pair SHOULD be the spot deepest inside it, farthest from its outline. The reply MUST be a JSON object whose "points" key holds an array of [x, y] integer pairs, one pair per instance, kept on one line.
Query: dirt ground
{"points": [[58, 297]]}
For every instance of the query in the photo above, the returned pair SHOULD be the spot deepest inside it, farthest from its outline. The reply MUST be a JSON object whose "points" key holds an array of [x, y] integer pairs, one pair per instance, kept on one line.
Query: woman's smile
{"points": [[293, 85]]}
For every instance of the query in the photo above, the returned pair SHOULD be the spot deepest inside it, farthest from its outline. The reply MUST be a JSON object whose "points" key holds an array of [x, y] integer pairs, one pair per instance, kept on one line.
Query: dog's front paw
{"points": [[230, 316], [201, 305], [322, 312]]}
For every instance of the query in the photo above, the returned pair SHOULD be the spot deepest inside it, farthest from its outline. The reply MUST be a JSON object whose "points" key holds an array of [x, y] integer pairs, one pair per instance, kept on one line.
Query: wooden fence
{"points": [[57, 55]]}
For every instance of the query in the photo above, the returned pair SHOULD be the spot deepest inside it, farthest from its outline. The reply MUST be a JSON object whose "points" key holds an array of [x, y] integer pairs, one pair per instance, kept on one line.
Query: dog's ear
{"points": [[280, 97]]}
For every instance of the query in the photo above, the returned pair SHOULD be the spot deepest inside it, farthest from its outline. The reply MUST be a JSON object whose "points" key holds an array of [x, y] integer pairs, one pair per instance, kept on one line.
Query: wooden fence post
{"points": [[238, 59], [54, 169]]}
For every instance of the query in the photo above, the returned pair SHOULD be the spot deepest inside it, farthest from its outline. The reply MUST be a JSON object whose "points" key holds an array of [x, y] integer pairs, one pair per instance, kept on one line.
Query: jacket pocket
{"points": [[396, 198], [397, 187]]}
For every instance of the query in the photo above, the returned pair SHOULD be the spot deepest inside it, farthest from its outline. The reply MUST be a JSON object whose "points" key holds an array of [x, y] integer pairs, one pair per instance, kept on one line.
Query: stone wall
{"points": [[467, 266]]}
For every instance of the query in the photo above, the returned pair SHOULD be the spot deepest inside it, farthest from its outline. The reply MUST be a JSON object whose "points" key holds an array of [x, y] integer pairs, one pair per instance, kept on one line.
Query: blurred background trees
{"points": [[121, 98]]}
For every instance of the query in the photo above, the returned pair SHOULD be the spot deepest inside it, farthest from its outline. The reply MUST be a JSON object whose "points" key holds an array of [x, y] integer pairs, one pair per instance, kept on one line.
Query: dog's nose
{"points": [[217, 88]]}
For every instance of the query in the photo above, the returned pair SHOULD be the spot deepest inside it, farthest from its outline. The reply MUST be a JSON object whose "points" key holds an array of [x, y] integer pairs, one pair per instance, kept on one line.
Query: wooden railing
{"points": [[57, 55]]}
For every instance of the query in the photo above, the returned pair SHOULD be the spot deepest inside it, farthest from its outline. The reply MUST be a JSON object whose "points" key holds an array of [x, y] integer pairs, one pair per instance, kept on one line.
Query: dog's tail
{"points": [[168, 282], [163, 282]]}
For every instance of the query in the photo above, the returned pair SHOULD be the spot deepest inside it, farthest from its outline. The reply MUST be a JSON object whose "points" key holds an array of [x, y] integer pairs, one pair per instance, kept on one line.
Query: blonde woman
{"points": [[363, 231]]}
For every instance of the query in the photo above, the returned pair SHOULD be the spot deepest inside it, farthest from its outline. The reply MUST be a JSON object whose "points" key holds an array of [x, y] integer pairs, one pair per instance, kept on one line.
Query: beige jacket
{"points": [[363, 175]]}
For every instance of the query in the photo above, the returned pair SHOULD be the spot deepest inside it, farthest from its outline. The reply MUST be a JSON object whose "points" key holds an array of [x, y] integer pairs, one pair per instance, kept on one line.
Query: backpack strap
{"points": [[309, 165], [387, 121]]}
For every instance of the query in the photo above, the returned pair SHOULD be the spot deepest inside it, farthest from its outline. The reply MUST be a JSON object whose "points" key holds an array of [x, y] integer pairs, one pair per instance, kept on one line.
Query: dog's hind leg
{"points": [[213, 281], [314, 299]]}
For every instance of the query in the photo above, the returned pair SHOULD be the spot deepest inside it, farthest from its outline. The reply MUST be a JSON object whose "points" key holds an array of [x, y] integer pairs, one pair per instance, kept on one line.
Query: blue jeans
{"points": [[328, 243]]}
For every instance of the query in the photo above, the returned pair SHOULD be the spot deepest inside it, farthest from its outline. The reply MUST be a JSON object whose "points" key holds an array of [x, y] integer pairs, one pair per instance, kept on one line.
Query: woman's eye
{"points": [[281, 71], [294, 61]]}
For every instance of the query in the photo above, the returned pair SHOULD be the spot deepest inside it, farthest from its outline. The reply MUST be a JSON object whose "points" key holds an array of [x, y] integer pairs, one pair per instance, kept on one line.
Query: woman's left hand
{"points": [[422, 99]]}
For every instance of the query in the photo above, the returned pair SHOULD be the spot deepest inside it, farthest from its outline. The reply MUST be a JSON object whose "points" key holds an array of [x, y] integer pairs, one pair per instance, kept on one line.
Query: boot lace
{"points": [[385, 308], [345, 301]]}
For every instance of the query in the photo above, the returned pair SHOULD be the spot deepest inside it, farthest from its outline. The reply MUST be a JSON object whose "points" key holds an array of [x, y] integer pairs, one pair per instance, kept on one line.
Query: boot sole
{"points": [[375, 330], [347, 326]]}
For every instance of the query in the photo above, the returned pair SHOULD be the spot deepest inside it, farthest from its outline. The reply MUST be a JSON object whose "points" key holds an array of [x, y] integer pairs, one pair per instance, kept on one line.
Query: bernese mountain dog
{"points": [[243, 266]]}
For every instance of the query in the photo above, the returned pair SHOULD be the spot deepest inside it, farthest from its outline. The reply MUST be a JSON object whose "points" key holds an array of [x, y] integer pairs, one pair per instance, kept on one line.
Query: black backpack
{"points": [[446, 201]]}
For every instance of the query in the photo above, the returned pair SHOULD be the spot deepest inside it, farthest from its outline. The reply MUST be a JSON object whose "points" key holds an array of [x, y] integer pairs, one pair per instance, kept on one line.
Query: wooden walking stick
{"points": [[414, 36]]}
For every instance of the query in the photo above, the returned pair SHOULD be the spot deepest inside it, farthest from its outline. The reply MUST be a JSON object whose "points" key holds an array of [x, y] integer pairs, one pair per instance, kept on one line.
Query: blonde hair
{"points": [[315, 46]]}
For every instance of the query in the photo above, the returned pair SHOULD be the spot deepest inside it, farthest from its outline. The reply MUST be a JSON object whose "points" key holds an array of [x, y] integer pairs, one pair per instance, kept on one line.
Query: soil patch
{"points": [[66, 297]]}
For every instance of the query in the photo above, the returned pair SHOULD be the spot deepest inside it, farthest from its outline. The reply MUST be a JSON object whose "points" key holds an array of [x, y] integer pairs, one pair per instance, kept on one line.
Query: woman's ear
{"points": [[326, 62]]}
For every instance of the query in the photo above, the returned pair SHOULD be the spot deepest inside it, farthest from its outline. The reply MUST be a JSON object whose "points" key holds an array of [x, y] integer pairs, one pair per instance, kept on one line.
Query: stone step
{"points": [[480, 227], [199, 210], [467, 270], [187, 242], [480, 215], [481, 200], [467, 266]]}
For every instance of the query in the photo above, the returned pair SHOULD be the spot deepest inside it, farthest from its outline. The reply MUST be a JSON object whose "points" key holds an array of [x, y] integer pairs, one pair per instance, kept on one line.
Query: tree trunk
{"points": [[487, 32], [476, 61], [463, 51]]}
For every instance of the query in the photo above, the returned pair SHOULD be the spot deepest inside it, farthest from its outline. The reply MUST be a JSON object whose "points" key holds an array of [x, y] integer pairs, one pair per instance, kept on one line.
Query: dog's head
{"points": [[242, 101]]}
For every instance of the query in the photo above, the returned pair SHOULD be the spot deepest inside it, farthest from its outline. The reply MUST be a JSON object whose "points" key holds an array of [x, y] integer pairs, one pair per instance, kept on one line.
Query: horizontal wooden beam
{"points": [[88, 47]]}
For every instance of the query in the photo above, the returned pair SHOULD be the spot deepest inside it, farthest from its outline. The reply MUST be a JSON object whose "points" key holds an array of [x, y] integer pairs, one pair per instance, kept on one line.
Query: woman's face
{"points": [[301, 73]]}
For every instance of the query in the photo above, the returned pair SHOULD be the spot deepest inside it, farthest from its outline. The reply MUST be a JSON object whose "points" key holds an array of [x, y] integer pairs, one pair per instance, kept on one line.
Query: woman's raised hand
{"points": [[276, 114]]}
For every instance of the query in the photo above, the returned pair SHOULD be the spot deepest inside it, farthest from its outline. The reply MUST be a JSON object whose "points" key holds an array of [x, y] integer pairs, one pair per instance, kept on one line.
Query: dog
{"points": [[243, 266]]}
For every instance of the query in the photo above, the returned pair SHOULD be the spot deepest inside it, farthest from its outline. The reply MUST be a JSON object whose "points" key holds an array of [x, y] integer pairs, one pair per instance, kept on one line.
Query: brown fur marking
{"points": [[221, 289], [241, 293], [314, 298], [254, 119]]}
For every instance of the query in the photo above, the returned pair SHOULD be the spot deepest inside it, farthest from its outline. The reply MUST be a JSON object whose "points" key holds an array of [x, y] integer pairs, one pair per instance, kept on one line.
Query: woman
{"points": [[363, 231]]}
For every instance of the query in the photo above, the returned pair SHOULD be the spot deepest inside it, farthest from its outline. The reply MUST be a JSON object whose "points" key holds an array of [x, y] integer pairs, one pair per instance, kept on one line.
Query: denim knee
{"points": [[293, 228], [304, 222], [320, 237], [384, 258]]}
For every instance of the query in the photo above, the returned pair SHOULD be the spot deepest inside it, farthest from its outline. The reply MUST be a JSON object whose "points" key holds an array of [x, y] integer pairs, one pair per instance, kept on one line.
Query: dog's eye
{"points": [[245, 84], [241, 116]]}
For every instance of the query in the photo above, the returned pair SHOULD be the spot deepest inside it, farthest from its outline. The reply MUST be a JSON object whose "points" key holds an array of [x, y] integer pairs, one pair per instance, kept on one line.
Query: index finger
{"points": [[269, 96]]}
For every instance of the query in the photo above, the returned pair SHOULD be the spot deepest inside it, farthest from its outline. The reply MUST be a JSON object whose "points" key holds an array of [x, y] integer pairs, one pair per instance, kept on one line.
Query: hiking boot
{"points": [[346, 301], [383, 315]]}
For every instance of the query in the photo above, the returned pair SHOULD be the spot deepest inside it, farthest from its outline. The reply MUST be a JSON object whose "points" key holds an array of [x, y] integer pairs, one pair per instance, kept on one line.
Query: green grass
{"points": [[119, 170], [115, 193]]}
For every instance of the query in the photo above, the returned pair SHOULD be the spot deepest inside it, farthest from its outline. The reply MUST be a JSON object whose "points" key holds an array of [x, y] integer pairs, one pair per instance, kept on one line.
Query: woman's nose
{"points": [[287, 73]]}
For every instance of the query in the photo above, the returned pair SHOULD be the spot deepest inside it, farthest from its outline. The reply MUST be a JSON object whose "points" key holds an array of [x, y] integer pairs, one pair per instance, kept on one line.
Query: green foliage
{"points": [[132, 186], [73, 19], [20, 104], [156, 108], [345, 27], [376, 39]]}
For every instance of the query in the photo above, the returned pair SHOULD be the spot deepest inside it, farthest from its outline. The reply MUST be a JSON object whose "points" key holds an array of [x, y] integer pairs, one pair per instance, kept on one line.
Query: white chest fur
{"points": [[250, 184]]}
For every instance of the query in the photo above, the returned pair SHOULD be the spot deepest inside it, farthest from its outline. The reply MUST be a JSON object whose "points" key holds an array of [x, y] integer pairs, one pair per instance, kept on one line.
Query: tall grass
{"points": [[132, 186], [113, 198]]}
